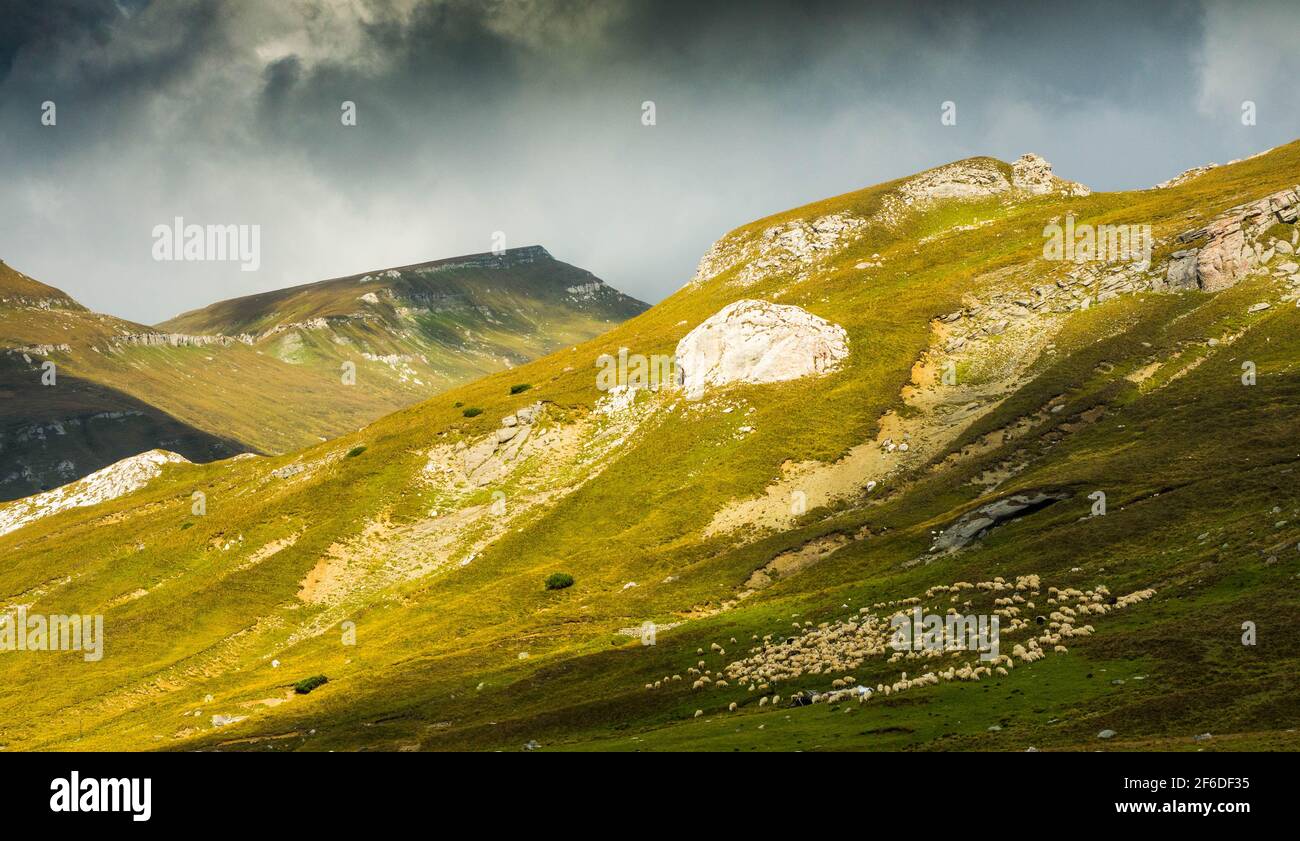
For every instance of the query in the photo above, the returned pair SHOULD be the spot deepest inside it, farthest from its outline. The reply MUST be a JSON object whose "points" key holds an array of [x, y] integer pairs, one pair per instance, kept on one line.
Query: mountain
{"points": [[272, 372], [905, 397], [57, 424], [432, 325]]}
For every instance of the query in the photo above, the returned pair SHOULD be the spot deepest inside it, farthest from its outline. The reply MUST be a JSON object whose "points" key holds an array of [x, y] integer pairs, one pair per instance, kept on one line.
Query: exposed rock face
{"points": [[984, 177], [1185, 176], [1226, 250], [486, 461], [961, 180], [1033, 174], [124, 477], [179, 340], [1004, 309], [986, 517], [757, 342], [799, 246], [791, 247], [974, 179], [38, 350]]}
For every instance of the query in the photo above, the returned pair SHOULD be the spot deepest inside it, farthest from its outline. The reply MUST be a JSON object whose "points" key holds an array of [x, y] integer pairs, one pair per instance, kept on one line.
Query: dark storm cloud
{"points": [[34, 25], [524, 117]]}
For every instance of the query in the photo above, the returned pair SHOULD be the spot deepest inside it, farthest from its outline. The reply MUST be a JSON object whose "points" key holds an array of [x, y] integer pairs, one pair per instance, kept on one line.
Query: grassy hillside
{"points": [[277, 371], [415, 584]]}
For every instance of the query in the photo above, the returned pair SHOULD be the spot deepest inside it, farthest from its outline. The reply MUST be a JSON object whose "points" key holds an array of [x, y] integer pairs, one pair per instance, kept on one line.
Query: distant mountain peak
{"points": [[504, 259]]}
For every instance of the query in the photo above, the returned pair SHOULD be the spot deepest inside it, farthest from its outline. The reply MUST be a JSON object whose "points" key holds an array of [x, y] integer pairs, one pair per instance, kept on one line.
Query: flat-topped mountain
{"points": [[475, 290]]}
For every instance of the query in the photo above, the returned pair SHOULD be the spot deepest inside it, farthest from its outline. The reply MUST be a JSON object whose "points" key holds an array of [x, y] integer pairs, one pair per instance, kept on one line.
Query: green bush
{"points": [[472, 412], [356, 451], [520, 388], [307, 684], [558, 581], [1279, 230]]}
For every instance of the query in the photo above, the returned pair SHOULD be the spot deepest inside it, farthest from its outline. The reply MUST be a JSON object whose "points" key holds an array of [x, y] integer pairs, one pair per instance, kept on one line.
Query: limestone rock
{"points": [[1182, 270], [1224, 249], [1185, 176], [118, 479], [792, 247], [1033, 174], [962, 180], [758, 342]]}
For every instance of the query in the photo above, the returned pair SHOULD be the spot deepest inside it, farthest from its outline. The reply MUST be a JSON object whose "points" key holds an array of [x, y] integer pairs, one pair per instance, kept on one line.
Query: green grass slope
{"points": [[420, 593]]}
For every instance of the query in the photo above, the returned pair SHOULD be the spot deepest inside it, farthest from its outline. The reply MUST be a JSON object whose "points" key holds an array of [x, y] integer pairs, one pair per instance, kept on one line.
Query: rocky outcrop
{"points": [[124, 477], [975, 179], [320, 323], [1033, 174], [797, 247], [758, 342], [962, 180], [1227, 249], [27, 351], [1077, 289], [981, 177], [27, 302], [789, 248], [486, 461], [179, 340], [979, 522], [1185, 176]]}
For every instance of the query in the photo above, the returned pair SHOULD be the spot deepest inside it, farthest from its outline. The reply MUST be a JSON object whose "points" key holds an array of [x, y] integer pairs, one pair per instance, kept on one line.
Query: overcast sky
{"points": [[526, 118]]}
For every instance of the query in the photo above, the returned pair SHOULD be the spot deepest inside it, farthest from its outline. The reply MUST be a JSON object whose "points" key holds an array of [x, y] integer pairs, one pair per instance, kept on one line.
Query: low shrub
{"points": [[558, 581], [307, 684]]}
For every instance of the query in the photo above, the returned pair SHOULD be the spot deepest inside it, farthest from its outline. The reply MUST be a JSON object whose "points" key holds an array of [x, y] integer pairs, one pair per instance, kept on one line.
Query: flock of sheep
{"points": [[835, 650]]}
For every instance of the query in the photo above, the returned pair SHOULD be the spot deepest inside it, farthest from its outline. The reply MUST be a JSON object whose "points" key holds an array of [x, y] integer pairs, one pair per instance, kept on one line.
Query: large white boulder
{"points": [[757, 342]]}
